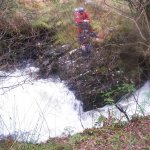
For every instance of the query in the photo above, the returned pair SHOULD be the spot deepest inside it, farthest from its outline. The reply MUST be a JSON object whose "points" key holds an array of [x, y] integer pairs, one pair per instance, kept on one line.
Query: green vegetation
{"points": [[132, 135], [37, 25], [51, 145], [111, 94]]}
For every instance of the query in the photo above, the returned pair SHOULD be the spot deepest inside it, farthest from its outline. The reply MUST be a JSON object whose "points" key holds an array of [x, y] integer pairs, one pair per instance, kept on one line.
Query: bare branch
{"points": [[120, 12]]}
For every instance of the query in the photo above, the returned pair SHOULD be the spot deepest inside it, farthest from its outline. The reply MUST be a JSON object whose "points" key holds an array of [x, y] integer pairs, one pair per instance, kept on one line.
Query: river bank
{"points": [[133, 135]]}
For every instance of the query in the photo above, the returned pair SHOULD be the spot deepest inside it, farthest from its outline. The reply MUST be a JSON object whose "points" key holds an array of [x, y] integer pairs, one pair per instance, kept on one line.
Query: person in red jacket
{"points": [[82, 20], [81, 16]]}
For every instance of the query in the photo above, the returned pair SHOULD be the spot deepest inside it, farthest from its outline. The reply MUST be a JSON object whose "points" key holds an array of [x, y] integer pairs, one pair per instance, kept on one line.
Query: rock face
{"points": [[103, 72]]}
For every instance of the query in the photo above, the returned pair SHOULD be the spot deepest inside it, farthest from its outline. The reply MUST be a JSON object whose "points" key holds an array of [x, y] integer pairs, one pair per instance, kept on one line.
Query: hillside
{"points": [[43, 34]]}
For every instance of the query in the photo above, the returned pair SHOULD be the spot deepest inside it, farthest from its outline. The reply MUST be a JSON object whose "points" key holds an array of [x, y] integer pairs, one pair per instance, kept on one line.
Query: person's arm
{"points": [[86, 17]]}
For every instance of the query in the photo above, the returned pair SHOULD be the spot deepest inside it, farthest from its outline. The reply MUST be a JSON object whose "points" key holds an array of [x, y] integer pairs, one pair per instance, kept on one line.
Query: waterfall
{"points": [[137, 104], [35, 110]]}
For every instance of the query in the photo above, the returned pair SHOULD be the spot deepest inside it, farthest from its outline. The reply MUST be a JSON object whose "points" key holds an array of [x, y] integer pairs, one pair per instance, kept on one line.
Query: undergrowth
{"points": [[132, 135]]}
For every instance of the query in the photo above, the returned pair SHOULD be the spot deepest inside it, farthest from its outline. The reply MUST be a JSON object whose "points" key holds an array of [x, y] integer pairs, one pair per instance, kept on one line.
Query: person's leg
{"points": [[93, 34], [81, 38]]}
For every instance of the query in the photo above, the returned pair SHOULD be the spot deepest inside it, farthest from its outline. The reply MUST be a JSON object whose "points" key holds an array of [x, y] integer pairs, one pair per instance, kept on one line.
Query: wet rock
{"points": [[46, 62], [102, 72]]}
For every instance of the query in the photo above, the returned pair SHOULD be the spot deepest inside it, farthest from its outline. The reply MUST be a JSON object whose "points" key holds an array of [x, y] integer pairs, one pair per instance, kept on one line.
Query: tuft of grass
{"points": [[76, 139], [40, 23], [50, 145]]}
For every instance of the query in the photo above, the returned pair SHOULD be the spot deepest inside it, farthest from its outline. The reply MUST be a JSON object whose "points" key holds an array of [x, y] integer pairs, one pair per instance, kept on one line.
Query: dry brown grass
{"points": [[135, 135]]}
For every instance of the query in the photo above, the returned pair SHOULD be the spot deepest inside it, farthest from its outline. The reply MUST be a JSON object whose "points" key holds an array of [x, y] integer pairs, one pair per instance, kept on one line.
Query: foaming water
{"points": [[35, 110], [138, 104]]}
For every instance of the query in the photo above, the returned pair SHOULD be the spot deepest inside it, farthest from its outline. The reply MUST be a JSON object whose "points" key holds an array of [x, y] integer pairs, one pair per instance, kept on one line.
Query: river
{"points": [[34, 109]]}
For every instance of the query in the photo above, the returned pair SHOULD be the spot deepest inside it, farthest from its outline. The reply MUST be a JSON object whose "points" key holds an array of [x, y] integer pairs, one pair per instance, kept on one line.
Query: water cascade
{"points": [[35, 110]]}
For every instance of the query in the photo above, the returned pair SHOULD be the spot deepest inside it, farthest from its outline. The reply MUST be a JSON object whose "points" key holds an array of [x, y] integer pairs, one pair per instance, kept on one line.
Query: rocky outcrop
{"points": [[107, 72], [104, 71]]}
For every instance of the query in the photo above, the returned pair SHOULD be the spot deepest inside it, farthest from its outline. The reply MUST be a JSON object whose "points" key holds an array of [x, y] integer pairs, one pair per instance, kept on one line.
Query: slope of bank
{"points": [[117, 136]]}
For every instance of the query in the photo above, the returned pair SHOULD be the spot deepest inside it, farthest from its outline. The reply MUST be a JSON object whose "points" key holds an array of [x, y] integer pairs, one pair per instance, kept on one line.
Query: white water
{"points": [[136, 105], [34, 110], [38, 109]]}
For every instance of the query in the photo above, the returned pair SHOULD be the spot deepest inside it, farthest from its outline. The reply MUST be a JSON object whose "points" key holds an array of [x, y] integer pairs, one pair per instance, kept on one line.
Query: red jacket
{"points": [[80, 17]]}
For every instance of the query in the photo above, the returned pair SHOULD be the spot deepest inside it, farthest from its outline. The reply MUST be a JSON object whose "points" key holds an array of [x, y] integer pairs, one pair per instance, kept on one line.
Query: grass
{"points": [[52, 14], [50, 145], [135, 134], [132, 135]]}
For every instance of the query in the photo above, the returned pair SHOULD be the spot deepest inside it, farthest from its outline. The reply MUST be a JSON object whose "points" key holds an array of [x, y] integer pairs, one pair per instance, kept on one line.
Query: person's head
{"points": [[76, 10], [81, 10]]}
